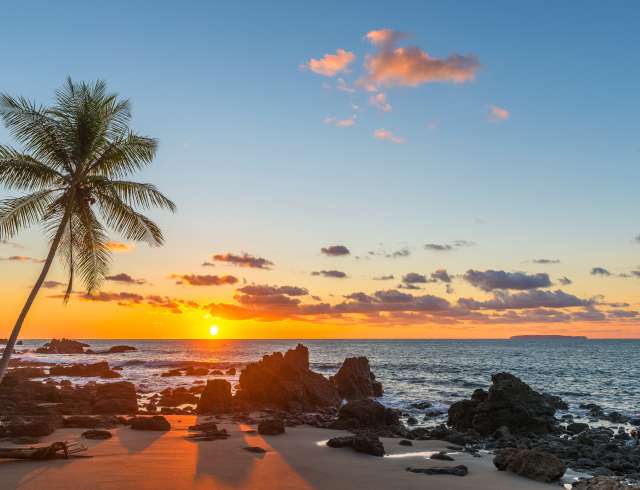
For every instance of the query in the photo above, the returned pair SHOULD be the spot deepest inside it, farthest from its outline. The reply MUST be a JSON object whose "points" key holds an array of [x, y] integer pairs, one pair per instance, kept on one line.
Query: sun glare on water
{"points": [[213, 330]]}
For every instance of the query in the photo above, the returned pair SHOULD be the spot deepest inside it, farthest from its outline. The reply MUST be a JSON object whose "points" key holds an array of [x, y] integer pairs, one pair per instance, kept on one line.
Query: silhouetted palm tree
{"points": [[74, 155]]}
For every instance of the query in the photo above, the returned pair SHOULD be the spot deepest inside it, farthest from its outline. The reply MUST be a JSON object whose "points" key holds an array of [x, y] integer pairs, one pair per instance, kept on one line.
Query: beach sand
{"points": [[296, 460]]}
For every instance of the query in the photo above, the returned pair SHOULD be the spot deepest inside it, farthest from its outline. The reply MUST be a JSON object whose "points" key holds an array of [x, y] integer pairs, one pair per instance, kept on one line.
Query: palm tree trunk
{"points": [[8, 350]]}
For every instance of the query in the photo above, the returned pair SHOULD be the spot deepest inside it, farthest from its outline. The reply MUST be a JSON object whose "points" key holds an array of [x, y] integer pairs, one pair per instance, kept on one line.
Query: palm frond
{"points": [[20, 212], [135, 194], [124, 156], [91, 254], [21, 171]]}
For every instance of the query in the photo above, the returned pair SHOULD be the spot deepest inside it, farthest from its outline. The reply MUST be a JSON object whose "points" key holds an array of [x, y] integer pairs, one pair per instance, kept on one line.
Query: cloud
{"points": [[411, 66], [51, 284], [529, 299], [565, 281], [331, 64], [122, 298], [243, 260], [387, 277], [441, 275], [343, 86], [119, 247], [341, 123], [545, 261], [447, 247], [335, 250], [497, 114], [403, 252], [11, 244], [414, 278], [22, 258], [379, 101], [266, 290], [600, 271], [330, 273], [204, 279], [383, 134], [125, 278], [491, 279]]}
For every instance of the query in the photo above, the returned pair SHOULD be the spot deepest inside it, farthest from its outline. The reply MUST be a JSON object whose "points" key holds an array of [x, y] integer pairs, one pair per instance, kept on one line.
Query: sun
{"points": [[213, 330]]}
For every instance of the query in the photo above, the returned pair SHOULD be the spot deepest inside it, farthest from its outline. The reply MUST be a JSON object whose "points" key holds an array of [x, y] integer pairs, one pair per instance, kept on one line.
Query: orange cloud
{"points": [[411, 66], [379, 101], [204, 279], [383, 134], [331, 64], [341, 123], [119, 247], [498, 114], [22, 258]]}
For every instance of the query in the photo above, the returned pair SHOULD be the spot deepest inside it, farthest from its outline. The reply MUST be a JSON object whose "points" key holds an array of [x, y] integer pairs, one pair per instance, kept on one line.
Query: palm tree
{"points": [[74, 155]]}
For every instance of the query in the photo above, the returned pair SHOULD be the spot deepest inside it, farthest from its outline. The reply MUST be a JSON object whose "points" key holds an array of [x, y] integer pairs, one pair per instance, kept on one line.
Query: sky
{"points": [[354, 169]]}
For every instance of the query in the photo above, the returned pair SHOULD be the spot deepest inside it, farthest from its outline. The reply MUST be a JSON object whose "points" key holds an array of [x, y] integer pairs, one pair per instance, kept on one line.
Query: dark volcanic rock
{"points": [[255, 449], [117, 349], [62, 346], [510, 403], [602, 483], [115, 398], [460, 470], [29, 372], [157, 422], [97, 434], [36, 426], [98, 369], [577, 427], [370, 415], [405, 442], [442, 456], [176, 396], [363, 443], [533, 464], [216, 397], [270, 427], [355, 380], [286, 382]]}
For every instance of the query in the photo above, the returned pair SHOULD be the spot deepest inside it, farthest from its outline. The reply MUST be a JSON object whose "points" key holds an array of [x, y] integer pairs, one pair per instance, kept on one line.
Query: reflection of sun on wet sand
{"points": [[295, 460]]}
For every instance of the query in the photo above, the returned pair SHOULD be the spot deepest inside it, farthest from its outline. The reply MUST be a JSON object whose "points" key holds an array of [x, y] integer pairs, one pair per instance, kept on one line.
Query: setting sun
{"points": [[213, 330]]}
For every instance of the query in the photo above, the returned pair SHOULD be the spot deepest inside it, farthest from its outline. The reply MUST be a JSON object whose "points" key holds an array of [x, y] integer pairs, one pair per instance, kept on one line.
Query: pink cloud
{"points": [[341, 123], [379, 101], [383, 134], [498, 114], [331, 64], [411, 66]]}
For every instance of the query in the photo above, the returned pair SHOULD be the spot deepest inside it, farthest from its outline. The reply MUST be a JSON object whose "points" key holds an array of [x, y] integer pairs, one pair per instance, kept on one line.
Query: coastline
{"points": [[294, 460]]}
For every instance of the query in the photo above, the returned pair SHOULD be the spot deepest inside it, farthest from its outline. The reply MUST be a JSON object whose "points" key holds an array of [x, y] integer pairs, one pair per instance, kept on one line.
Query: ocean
{"points": [[606, 372]]}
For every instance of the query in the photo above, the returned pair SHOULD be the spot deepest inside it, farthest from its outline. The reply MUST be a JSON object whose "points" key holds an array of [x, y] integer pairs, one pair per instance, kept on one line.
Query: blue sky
{"points": [[246, 155]]}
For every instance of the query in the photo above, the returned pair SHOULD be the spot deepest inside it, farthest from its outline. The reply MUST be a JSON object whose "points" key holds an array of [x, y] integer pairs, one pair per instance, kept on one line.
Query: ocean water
{"points": [[606, 372]]}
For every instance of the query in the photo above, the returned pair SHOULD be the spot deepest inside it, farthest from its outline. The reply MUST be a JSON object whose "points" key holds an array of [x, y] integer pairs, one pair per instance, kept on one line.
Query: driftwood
{"points": [[57, 450]]}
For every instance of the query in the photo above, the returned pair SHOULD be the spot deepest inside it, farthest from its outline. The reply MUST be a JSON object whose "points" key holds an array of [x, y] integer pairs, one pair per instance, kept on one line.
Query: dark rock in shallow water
{"points": [[355, 380], [255, 449], [509, 402], [117, 349], [157, 422], [173, 397], [577, 427], [371, 416], [97, 434], [216, 397], [405, 442], [363, 443], [98, 369], [62, 346], [594, 410], [29, 372], [286, 382], [441, 456], [231, 371], [412, 421], [460, 470], [556, 402], [35, 426], [602, 483], [533, 464], [271, 427]]}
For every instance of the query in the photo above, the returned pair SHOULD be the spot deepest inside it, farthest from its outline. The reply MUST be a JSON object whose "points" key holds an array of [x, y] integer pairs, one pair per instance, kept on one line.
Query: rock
{"points": [[29, 372], [208, 431], [156, 422], [231, 371], [617, 418], [556, 402], [98, 369], [195, 371], [25, 440], [530, 463], [577, 427], [421, 405], [602, 483], [405, 442], [441, 456], [216, 397], [370, 415], [62, 346], [594, 410], [510, 403], [97, 434], [412, 421], [355, 380], [286, 382], [255, 449], [172, 372], [365, 443], [82, 422], [117, 349], [34, 426], [115, 398], [176, 396], [215, 372], [270, 427], [460, 470]]}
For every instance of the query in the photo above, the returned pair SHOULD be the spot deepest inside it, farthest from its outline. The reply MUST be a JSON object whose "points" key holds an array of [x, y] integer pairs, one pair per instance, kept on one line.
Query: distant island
{"points": [[548, 337]]}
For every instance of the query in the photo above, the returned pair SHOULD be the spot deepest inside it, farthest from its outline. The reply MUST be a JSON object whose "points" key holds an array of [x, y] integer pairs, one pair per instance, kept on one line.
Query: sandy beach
{"points": [[296, 460]]}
